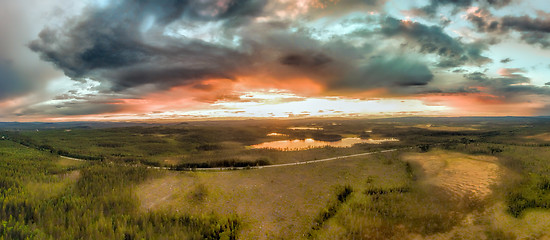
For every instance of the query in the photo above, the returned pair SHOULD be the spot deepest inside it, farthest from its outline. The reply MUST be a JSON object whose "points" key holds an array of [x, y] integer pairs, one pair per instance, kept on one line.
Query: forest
{"points": [[141, 182]]}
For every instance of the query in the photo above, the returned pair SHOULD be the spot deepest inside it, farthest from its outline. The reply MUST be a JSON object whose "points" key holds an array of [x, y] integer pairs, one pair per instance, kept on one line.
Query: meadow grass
{"points": [[273, 203]]}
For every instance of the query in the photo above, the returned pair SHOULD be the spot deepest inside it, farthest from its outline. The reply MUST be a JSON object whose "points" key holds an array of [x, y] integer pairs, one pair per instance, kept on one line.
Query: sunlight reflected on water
{"points": [[274, 134], [301, 144], [306, 128]]}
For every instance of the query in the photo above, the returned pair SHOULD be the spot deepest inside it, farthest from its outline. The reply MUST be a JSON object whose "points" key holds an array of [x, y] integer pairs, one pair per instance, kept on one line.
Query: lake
{"points": [[301, 144]]}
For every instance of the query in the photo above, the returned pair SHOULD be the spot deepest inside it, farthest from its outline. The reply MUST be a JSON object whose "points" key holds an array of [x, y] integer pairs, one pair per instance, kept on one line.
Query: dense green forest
{"points": [[97, 205]]}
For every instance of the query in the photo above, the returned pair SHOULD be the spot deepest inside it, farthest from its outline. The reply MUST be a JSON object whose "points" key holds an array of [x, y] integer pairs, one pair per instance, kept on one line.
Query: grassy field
{"points": [[273, 203], [473, 178]]}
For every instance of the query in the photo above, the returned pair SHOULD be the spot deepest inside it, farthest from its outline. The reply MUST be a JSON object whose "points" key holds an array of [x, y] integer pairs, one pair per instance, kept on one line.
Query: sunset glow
{"points": [[121, 60]]}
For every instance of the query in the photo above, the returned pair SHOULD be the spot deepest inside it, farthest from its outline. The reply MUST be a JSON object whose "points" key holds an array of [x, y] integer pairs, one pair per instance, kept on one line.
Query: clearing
{"points": [[461, 174], [542, 136]]}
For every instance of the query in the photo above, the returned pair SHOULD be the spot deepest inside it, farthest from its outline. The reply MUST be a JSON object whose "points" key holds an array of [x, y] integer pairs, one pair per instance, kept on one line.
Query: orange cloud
{"points": [[201, 95], [482, 104]]}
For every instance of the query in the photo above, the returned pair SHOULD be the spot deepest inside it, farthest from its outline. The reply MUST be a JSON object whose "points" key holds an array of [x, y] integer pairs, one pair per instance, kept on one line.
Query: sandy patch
{"points": [[155, 192], [460, 174], [72, 175], [542, 136], [171, 161], [70, 162]]}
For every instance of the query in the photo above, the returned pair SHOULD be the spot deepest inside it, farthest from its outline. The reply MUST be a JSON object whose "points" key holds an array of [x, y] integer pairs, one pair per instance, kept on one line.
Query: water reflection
{"points": [[274, 134], [306, 128], [301, 144]]}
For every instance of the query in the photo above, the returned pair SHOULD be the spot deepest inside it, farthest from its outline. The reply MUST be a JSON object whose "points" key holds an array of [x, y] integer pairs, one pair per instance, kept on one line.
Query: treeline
{"points": [[326, 137], [26, 141], [230, 163], [415, 136], [72, 155]]}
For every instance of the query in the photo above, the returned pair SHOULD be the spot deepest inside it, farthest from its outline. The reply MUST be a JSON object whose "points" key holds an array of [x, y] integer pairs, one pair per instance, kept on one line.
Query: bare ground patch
{"points": [[461, 174], [70, 162], [72, 175], [542, 136], [154, 193], [171, 161]]}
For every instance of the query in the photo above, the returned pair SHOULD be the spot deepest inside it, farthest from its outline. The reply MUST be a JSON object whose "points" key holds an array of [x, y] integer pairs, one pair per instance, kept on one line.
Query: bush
{"points": [[208, 147], [342, 195], [532, 193]]}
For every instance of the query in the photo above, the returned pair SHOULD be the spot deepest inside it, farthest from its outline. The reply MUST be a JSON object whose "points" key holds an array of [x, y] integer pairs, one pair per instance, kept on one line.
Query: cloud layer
{"points": [[136, 50]]}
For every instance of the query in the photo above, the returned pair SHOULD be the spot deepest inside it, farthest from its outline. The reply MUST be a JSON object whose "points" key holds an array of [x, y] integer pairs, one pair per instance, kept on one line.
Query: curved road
{"points": [[280, 165], [259, 167]]}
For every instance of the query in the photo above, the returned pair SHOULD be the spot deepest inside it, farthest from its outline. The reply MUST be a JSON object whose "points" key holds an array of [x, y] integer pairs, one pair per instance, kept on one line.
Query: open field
{"points": [[475, 179], [273, 202]]}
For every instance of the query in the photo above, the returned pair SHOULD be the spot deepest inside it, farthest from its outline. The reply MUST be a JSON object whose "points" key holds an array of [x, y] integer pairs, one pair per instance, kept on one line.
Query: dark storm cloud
{"points": [[433, 40], [124, 44], [540, 38], [526, 24], [477, 76], [337, 63], [72, 108], [498, 3], [512, 86], [11, 84], [392, 73], [483, 20], [306, 59], [534, 31], [124, 47], [506, 60], [168, 11], [510, 76]]}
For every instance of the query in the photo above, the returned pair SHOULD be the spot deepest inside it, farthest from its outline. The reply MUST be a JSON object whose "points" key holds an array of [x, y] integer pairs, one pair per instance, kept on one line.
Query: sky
{"points": [[118, 60]]}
